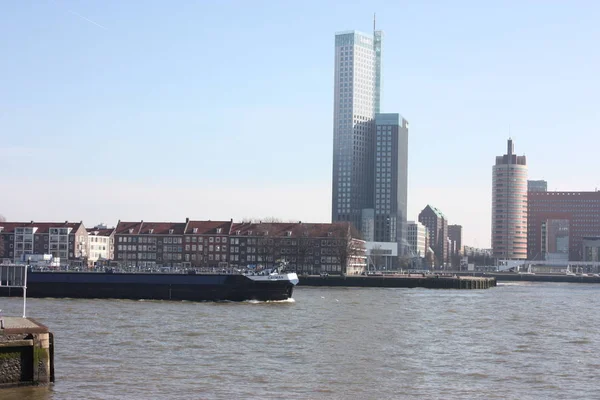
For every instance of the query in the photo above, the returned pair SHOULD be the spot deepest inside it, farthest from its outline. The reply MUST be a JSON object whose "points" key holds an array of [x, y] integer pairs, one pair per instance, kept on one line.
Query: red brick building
{"points": [[558, 219], [225, 244], [65, 240]]}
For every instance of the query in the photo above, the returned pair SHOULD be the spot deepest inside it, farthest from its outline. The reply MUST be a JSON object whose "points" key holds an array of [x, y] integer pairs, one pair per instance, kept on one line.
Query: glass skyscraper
{"points": [[356, 100], [369, 186]]}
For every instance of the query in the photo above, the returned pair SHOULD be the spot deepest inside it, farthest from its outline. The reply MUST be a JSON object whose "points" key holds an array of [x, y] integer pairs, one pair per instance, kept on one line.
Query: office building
{"points": [[455, 236], [509, 206], [356, 99], [370, 149], [437, 227], [537, 186], [558, 222], [417, 239], [391, 166]]}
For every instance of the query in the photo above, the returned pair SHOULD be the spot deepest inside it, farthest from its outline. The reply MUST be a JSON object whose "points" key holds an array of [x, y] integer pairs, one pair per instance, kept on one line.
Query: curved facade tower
{"points": [[509, 206]]}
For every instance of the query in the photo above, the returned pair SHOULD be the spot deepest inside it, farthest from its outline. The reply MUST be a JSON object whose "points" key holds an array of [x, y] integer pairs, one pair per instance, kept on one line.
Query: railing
{"points": [[12, 275]]}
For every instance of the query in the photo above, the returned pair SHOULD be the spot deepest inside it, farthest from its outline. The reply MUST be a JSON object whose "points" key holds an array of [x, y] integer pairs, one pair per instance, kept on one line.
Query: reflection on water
{"points": [[525, 340]]}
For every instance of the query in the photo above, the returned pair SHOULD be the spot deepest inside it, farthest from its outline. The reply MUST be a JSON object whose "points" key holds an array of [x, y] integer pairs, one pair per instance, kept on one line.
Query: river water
{"points": [[515, 341]]}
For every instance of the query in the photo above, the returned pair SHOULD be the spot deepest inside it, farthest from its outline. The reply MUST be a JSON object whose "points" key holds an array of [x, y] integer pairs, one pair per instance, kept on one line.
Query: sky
{"points": [[156, 110]]}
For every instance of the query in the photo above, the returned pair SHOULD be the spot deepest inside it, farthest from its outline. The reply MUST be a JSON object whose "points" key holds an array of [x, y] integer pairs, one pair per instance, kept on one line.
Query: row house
{"points": [[310, 248], [68, 241], [101, 242], [149, 244]]}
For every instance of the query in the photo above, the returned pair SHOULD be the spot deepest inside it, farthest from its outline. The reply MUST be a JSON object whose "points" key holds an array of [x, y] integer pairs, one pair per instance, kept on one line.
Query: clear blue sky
{"points": [[162, 110]]}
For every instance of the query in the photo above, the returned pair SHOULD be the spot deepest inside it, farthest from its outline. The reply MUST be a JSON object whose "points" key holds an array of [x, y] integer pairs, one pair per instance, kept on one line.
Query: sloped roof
{"points": [[149, 228], [42, 227], [100, 232], [208, 227]]}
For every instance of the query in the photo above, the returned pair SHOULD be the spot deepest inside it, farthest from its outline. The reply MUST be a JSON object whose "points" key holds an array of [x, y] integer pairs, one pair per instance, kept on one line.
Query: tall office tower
{"points": [[455, 236], [437, 228], [391, 175], [356, 99], [537, 186], [509, 206]]}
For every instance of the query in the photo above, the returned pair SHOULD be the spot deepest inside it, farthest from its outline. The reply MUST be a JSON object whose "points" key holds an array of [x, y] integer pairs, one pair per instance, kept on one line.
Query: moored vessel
{"points": [[236, 286]]}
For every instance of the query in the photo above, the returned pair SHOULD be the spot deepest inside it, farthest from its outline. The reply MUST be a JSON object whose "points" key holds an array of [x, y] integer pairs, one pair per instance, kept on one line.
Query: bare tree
{"points": [[376, 257], [348, 246], [2, 218]]}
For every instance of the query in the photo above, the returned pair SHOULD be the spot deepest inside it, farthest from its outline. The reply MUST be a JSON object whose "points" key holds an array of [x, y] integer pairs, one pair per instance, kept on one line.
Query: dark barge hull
{"points": [[200, 287]]}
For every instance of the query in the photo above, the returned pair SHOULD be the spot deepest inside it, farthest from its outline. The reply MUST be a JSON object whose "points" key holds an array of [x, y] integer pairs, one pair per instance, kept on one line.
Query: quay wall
{"points": [[26, 353], [543, 278], [395, 281]]}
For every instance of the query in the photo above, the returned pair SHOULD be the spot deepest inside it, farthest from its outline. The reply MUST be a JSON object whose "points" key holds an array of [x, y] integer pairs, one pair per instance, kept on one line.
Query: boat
{"points": [[268, 285]]}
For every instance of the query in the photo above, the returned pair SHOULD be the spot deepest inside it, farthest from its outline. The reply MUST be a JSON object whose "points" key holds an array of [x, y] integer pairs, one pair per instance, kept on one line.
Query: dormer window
{"points": [[130, 231], [329, 234], [249, 233], [151, 231], [195, 230], [170, 231], [219, 230], [288, 233], [238, 232]]}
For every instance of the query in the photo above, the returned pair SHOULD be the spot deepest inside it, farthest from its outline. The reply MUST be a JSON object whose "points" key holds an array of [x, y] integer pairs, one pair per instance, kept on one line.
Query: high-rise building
{"points": [[537, 186], [509, 206], [455, 236], [558, 222], [356, 100], [391, 166], [370, 149], [437, 228], [417, 239]]}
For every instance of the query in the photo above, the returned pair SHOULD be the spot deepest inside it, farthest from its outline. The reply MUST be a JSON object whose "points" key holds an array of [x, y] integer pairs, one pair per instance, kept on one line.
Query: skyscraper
{"points": [[509, 206], [356, 99], [391, 180]]}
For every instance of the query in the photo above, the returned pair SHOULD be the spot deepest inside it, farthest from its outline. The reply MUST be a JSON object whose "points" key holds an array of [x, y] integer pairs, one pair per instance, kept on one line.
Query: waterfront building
{"points": [[356, 100], [65, 240], [391, 180], [417, 239], [591, 248], [509, 206], [312, 248], [437, 228], [149, 244], [537, 186], [558, 222], [370, 149], [455, 236], [100, 245]]}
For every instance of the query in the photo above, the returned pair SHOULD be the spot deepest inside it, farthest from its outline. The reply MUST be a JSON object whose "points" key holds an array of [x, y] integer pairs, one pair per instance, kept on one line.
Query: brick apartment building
{"points": [[65, 240], [225, 244]]}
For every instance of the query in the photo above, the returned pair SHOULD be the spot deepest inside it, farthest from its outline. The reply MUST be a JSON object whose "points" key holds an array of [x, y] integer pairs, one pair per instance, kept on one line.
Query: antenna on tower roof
{"points": [[374, 22]]}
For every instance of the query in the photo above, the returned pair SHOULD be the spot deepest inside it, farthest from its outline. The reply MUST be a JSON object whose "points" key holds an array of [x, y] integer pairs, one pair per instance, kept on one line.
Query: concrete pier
{"points": [[26, 352], [402, 281]]}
